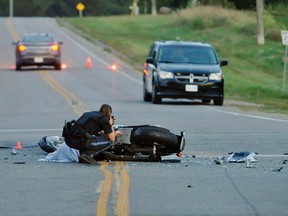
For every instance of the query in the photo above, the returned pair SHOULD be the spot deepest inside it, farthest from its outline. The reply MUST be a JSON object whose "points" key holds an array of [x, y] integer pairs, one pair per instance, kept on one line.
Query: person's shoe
{"points": [[84, 158]]}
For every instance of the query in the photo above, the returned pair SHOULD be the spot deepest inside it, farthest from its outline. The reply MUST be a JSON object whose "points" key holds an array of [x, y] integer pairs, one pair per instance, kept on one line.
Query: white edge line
{"points": [[92, 54], [258, 155], [30, 130], [250, 116]]}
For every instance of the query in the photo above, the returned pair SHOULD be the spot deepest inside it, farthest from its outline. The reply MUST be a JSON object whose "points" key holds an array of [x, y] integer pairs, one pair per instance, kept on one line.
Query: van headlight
{"points": [[165, 75], [215, 76]]}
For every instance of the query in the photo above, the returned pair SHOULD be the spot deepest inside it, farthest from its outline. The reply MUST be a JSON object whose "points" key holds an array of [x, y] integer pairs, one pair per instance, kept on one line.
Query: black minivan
{"points": [[183, 69]]}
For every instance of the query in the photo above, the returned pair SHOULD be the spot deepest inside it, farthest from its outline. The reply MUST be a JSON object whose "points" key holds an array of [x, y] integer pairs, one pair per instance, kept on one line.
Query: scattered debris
{"points": [[30, 146], [19, 162], [4, 146], [14, 151], [285, 161], [248, 163], [278, 170], [241, 157], [220, 160], [171, 161]]}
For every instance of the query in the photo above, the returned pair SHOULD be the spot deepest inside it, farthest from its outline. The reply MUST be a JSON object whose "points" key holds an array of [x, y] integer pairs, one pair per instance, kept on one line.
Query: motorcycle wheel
{"points": [[44, 146]]}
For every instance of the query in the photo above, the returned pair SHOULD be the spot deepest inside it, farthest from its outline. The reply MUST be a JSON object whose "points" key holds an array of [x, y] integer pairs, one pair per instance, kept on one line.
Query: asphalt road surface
{"points": [[35, 102]]}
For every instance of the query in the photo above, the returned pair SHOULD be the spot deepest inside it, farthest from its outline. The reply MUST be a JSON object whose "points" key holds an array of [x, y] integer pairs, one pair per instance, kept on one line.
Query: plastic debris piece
{"points": [[19, 162], [4, 146], [220, 160], [248, 163], [14, 151], [278, 170], [241, 157]]}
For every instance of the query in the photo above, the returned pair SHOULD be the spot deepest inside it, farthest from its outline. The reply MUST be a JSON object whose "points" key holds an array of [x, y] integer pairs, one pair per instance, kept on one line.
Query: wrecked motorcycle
{"points": [[138, 143]]}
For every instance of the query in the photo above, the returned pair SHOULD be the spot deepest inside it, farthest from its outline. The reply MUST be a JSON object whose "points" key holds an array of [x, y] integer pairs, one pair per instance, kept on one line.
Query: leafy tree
{"points": [[54, 8], [251, 4]]}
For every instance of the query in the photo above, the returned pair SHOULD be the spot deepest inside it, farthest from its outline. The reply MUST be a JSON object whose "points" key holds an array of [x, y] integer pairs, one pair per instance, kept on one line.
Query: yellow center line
{"points": [[122, 199], [78, 106], [101, 209], [11, 30]]}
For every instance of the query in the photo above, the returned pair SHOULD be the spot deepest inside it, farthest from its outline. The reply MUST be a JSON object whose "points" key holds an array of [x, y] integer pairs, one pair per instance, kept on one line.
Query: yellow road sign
{"points": [[80, 6]]}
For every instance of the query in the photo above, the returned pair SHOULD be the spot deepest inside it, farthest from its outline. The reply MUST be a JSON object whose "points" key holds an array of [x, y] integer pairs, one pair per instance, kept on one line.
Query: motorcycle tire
{"points": [[44, 146], [153, 134]]}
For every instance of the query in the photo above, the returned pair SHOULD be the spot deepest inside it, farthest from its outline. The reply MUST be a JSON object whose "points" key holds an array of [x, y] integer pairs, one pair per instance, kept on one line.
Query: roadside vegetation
{"points": [[254, 73]]}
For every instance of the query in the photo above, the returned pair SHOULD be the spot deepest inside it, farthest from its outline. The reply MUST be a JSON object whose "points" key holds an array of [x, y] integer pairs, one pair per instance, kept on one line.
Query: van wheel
{"points": [[57, 66], [18, 67], [218, 102], [146, 95], [155, 98]]}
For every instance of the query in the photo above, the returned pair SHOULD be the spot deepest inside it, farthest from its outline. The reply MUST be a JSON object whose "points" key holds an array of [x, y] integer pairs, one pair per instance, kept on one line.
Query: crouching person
{"points": [[92, 133]]}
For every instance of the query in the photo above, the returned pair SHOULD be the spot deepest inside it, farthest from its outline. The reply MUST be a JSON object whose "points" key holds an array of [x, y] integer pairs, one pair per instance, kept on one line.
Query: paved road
{"points": [[35, 102]]}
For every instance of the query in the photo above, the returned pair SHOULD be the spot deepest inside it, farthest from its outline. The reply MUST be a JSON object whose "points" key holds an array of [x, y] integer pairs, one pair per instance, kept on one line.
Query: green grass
{"points": [[254, 73]]}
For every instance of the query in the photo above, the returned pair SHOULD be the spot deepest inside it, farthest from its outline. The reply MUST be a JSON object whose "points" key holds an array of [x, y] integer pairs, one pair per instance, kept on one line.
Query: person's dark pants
{"points": [[96, 144], [92, 145]]}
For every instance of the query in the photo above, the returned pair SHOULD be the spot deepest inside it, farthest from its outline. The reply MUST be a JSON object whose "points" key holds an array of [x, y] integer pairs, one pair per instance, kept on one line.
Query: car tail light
{"points": [[21, 48], [54, 47]]}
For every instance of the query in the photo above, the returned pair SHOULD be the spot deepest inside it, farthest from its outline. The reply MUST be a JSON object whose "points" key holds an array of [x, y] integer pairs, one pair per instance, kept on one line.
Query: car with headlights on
{"points": [[38, 49], [183, 69]]}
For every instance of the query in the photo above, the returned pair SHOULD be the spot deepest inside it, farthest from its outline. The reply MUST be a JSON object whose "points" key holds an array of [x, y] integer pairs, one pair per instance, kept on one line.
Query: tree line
{"points": [[66, 8]]}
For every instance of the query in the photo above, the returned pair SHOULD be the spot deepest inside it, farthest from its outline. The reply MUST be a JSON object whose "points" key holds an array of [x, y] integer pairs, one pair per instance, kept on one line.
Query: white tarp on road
{"points": [[63, 154]]}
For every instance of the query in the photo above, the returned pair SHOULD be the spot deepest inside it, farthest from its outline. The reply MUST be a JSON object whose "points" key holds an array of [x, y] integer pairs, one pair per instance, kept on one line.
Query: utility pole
{"points": [[260, 21], [11, 6]]}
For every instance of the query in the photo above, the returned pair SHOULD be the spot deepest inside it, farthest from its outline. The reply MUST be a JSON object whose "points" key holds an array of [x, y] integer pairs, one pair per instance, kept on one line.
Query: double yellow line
{"points": [[122, 208], [119, 167]]}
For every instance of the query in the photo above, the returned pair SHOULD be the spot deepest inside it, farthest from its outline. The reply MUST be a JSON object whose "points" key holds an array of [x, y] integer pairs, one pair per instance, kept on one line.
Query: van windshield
{"points": [[187, 54]]}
